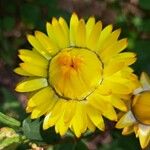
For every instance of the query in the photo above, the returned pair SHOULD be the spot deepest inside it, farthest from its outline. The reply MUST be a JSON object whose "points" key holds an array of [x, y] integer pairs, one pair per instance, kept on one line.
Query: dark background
{"points": [[19, 17]]}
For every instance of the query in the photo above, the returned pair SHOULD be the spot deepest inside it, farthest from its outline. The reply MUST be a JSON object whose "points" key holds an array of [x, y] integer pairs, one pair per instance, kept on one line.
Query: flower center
{"points": [[141, 107], [74, 73]]}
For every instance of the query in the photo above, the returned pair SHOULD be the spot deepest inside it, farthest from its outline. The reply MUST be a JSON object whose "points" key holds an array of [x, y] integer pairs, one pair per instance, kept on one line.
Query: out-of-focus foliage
{"points": [[19, 17]]}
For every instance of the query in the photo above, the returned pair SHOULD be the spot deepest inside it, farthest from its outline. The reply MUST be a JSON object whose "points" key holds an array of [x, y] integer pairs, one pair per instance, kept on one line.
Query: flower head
{"points": [[137, 119], [77, 74]]}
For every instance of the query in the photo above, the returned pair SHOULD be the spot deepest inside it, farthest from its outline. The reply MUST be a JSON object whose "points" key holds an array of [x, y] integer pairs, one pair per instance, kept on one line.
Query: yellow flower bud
{"points": [[141, 107]]}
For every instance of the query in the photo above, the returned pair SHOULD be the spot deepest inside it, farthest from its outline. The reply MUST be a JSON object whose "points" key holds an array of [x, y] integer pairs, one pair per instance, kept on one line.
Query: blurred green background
{"points": [[19, 17]]}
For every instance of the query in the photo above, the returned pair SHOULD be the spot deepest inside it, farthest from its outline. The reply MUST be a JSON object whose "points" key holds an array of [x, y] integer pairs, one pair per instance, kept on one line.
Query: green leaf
{"points": [[33, 130], [9, 120], [80, 145], [145, 4]]}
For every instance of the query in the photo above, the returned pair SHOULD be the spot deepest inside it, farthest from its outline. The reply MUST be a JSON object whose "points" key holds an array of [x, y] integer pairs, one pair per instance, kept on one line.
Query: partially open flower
{"points": [[137, 119], [78, 74]]}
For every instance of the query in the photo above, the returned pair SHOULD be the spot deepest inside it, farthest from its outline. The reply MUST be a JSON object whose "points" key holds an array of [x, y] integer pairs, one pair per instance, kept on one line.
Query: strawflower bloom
{"points": [[76, 74], [137, 119]]}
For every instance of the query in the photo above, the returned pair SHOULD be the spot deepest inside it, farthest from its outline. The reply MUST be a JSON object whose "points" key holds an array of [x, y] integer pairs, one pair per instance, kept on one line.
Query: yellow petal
{"points": [[33, 69], [121, 45], [85, 120], [52, 117], [73, 28], [39, 111], [90, 124], [97, 101], [94, 36], [59, 34], [50, 32], [29, 109], [104, 102], [123, 79], [46, 121], [78, 117], [119, 62], [103, 36], [118, 103], [145, 81], [46, 42], [128, 130], [95, 117], [70, 110], [60, 126], [33, 58], [43, 96], [124, 97], [113, 67], [22, 72], [31, 85], [118, 88], [89, 26], [111, 39], [144, 135], [113, 49], [104, 90], [83, 116], [136, 128], [81, 34], [127, 120], [127, 57], [65, 29], [38, 46], [110, 113], [105, 108]]}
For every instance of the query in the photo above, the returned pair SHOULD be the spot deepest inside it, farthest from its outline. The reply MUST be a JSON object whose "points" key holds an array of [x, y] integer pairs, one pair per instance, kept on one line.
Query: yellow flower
{"points": [[77, 74], [137, 119]]}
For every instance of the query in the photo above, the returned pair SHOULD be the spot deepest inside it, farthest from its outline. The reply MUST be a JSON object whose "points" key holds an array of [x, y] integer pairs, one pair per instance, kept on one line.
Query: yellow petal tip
{"points": [[17, 89]]}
